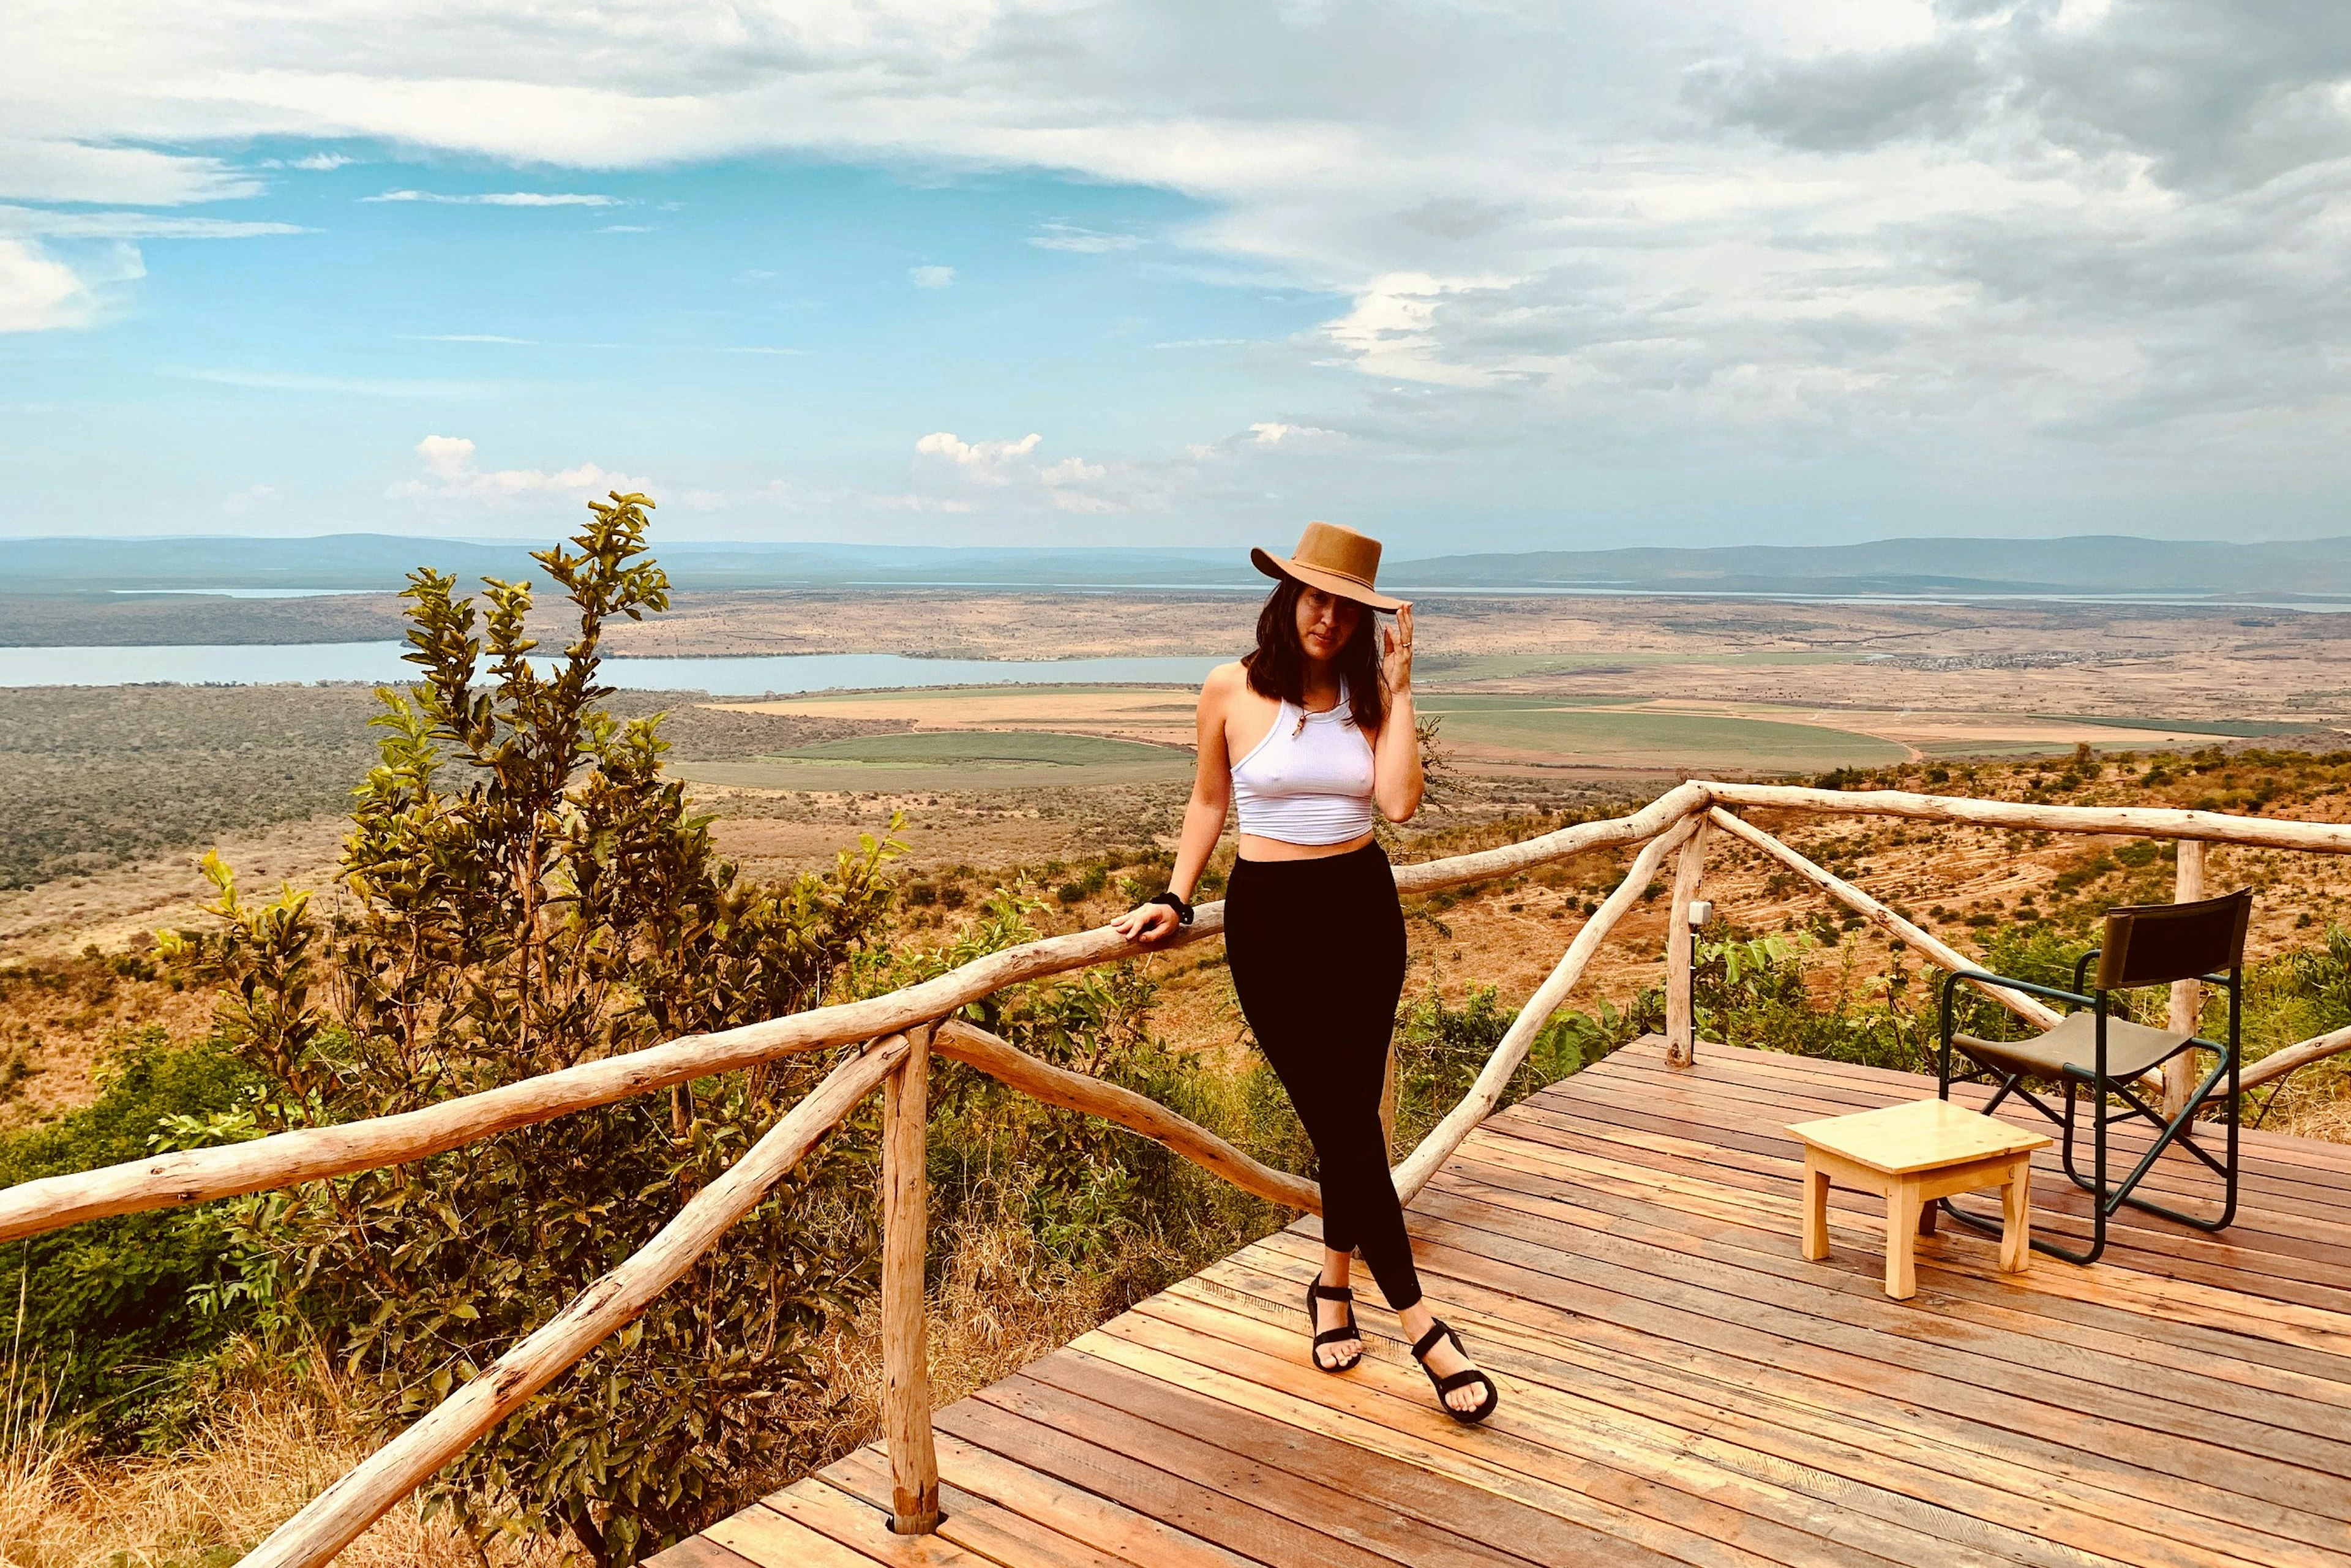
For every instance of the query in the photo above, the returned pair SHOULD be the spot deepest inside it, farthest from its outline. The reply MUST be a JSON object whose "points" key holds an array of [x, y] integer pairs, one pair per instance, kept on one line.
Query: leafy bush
{"points": [[531, 892], [109, 1306]]}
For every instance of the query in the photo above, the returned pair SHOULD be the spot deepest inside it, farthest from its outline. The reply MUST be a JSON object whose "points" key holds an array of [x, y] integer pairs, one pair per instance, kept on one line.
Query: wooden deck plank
{"points": [[2117, 1364], [1233, 1521], [701, 1551], [2161, 1297], [2032, 1455], [1369, 1416], [1757, 1235], [1679, 1386], [1934, 1462], [2058, 1209], [1228, 1450], [970, 1520], [809, 1526], [1097, 1521], [1845, 1462], [1407, 1490], [1722, 1132], [1563, 1414], [2318, 1201]]}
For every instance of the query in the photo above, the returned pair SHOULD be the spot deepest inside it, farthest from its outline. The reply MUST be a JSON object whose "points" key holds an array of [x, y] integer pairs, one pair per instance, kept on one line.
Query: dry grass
{"points": [[2316, 1116], [268, 1451], [1005, 1302], [264, 1454]]}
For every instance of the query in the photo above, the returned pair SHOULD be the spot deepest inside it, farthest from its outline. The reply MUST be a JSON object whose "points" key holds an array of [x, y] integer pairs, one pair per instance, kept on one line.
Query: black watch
{"points": [[1174, 901]]}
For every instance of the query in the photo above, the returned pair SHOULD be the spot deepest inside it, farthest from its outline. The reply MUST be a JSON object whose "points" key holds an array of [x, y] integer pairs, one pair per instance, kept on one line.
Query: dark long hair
{"points": [[1278, 668]]}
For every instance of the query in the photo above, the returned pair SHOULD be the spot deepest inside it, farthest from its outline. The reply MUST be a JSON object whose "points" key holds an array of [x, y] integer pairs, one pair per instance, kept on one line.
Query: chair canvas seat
{"points": [[2146, 944], [2131, 1047]]}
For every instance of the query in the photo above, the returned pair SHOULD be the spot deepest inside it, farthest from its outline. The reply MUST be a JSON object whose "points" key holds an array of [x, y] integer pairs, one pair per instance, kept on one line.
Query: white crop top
{"points": [[1309, 781]]}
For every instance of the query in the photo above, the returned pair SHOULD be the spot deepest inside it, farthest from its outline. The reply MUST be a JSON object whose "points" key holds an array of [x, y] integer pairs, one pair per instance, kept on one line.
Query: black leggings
{"points": [[1316, 952]]}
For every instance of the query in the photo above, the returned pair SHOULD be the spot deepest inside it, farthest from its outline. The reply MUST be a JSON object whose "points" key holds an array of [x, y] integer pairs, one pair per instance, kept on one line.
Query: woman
{"points": [[1310, 734]]}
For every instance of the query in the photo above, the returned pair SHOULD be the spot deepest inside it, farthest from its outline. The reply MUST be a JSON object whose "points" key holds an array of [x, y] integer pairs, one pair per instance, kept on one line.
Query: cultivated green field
{"points": [[952, 759], [1516, 666], [1593, 737]]}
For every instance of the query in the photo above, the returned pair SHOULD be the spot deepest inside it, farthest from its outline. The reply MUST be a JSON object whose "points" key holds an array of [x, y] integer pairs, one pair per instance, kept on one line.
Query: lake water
{"points": [[380, 664]]}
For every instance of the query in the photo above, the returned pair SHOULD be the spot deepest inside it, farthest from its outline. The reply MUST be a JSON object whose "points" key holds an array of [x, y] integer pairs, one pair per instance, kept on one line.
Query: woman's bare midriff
{"points": [[1257, 847]]}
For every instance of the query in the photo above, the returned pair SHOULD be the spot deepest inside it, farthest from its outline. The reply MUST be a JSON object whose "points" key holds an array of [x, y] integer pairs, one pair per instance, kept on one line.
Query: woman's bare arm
{"points": [[1397, 781], [1204, 818]]}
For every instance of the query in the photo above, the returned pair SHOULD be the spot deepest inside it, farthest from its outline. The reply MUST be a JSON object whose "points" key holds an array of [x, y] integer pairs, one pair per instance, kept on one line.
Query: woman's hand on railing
{"points": [[1148, 923]]}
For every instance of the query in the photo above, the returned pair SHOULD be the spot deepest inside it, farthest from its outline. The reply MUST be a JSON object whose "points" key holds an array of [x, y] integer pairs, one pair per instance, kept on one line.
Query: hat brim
{"points": [[1327, 581]]}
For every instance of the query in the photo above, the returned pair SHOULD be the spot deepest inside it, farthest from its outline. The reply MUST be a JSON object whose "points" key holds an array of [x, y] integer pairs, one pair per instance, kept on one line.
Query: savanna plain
{"points": [[182, 1383]]}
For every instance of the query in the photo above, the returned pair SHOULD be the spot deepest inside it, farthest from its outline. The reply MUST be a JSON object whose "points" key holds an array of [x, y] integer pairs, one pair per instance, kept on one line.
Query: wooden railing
{"points": [[895, 1035]]}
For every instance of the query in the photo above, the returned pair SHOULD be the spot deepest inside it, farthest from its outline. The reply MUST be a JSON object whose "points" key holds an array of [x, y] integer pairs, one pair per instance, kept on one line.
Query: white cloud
{"points": [[932, 277], [53, 224], [1084, 241], [1016, 483], [245, 500], [451, 475], [319, 162], [36, 165], [981, 462], [501, 199], [39, 293], [1068, 471], [1270, 432]]}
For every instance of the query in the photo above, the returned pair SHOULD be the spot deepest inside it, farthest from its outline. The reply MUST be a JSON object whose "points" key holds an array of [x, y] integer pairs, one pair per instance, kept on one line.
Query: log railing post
{"points": [[1680, 951], [906, 1343], [2187, 996]]}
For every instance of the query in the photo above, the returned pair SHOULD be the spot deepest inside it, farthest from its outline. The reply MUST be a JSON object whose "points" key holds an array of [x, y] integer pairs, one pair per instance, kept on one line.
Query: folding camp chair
{"points": [[2146, 944]]}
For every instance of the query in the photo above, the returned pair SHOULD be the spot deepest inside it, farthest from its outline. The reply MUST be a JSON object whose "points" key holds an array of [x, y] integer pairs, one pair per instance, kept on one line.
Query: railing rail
{"points": [[900, 1031]]}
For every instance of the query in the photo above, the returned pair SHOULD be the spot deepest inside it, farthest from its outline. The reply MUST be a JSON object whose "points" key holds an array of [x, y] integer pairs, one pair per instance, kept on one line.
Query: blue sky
{"points": [[762, 342], [1468, 276]]}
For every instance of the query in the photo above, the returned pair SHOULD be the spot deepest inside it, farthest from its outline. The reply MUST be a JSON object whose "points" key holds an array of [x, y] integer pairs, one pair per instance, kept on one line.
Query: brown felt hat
{"points": [[1334, 559]]}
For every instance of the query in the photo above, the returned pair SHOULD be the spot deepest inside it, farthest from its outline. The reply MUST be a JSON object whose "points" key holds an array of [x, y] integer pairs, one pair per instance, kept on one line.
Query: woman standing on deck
{"points": [[1310, 734]]}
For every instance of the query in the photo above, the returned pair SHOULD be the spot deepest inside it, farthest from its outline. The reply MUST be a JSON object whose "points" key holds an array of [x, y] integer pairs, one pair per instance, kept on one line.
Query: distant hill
{"points": [[2097, 565], [2080, 564]]}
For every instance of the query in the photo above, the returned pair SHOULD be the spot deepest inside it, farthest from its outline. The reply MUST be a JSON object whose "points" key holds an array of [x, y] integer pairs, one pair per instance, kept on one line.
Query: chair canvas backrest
{"points": [[2150, 943]]}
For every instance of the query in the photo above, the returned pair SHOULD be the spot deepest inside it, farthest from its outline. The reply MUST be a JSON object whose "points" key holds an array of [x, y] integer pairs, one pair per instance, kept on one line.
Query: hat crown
{"points": [[1331, 547]]}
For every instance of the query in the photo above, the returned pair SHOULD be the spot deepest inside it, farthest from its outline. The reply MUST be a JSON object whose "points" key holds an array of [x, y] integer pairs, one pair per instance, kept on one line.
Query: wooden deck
{"points": [[1679, 1386]]}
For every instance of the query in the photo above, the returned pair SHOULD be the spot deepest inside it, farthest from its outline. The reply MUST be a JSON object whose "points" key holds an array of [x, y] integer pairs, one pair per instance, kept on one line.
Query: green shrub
{"points": [[531, 891], [109, 1306]]}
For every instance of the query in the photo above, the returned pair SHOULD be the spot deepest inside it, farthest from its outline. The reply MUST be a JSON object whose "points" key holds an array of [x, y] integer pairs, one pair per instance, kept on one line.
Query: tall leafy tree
{"points": [[529, 890]]}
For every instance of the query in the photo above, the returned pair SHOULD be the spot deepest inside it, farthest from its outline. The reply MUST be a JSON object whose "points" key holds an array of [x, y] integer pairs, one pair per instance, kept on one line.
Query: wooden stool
{"points": [[1913, 1155]]}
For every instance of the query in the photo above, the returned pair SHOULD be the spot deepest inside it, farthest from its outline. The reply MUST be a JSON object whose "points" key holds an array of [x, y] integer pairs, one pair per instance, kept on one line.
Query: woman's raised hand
{"points": [[1395, 651], [1146, 922]]}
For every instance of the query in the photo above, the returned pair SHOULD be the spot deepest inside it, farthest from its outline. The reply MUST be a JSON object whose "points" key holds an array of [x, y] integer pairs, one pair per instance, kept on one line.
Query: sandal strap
{"points": [[1437, 1328], [1333, 1336], [1453, 1380], [1330, 1292]]}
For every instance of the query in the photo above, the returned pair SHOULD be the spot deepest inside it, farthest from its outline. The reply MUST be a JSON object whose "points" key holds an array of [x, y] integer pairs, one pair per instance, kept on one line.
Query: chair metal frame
{"points": [[2103, 1090]]}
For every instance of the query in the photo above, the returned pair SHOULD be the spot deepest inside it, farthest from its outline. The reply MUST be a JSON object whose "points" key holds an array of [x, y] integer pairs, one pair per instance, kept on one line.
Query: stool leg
{"points": [[2016, 1218], [1902, 1206], [1816, 1213]]}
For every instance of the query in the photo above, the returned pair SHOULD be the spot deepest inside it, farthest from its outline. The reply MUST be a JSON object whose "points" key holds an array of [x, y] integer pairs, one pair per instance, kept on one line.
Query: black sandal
{"points": [[1324, 1336], [1453, 1380]]}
